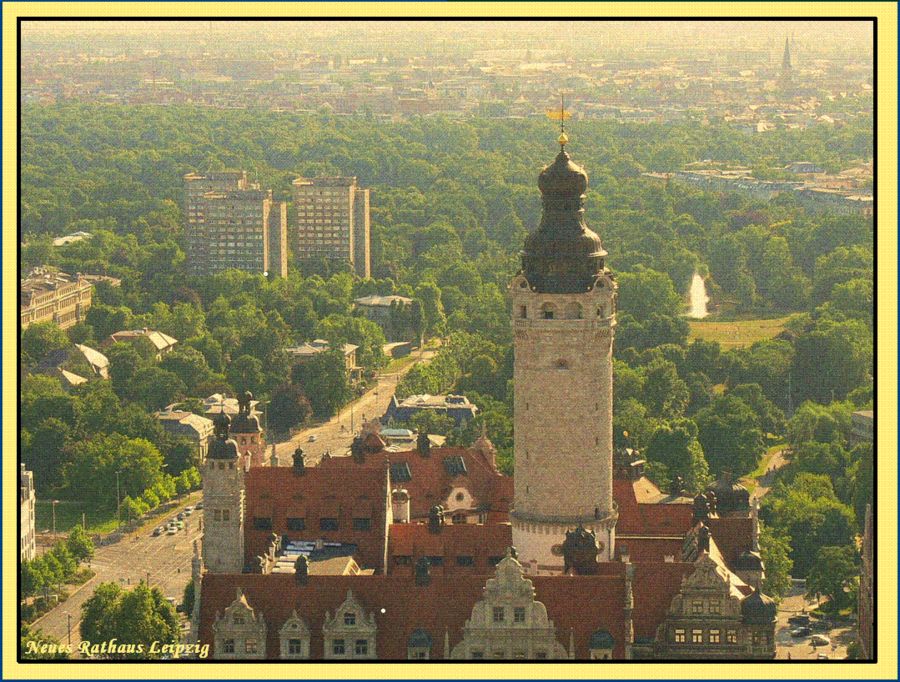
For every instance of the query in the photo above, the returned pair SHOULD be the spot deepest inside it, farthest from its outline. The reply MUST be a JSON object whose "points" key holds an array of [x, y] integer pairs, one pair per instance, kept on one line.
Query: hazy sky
{"points": [[818, 37]]}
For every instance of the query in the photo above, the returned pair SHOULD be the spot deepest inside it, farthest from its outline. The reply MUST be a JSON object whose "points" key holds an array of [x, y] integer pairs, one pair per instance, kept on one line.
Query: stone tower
{"points": [[247, 432], [564, 317], [223, 499]]}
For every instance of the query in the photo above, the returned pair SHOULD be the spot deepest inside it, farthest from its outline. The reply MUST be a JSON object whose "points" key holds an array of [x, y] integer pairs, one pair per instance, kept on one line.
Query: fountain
{"points": [[699, 299]]}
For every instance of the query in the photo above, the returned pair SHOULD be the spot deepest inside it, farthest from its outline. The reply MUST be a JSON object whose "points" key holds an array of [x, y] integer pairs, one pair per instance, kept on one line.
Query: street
{"points": [[336, 440], [165, 559]]}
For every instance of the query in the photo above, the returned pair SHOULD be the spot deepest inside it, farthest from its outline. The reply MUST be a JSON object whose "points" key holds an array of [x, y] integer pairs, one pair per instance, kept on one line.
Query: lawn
{"points": [[736, 333], [68, 514]]}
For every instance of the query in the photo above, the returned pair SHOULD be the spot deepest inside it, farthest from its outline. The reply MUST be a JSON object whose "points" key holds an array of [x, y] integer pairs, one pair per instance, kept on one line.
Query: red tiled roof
{"points": [[577, 604], [278, 493], [659, 519], [655, 584], [733, 535], [415, 540], [431, 483], [643, 549]]}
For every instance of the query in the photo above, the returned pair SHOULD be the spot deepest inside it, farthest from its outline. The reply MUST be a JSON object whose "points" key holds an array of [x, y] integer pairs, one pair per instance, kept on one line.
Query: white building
{"points": [[27, 547]]}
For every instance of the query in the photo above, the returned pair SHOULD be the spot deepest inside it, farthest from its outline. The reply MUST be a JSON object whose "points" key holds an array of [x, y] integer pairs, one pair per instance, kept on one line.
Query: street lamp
{"points": [[53, 507], [118, 503]]}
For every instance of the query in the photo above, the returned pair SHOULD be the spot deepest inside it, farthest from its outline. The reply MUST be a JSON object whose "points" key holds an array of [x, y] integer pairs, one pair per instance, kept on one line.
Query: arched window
{"points": [[548, 311], [573, 311]]}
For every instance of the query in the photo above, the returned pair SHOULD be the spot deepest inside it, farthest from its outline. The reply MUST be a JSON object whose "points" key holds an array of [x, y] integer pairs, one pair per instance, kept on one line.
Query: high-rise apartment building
{"points": [[232, 223], [332, 221]]}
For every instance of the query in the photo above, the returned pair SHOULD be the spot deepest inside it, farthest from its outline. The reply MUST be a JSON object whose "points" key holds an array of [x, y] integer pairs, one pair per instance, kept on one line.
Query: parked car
{"points": [[199, 505], [821, 625], [171, 530], [158, 531], [819, 640], [181, 516], [801, 632], [313, 438], [180, 525], [822, 657]]}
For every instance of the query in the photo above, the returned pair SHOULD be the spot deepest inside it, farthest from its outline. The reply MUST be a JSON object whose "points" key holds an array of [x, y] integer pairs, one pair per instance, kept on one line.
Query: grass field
{"points": [[737, 333], [68, 514]]}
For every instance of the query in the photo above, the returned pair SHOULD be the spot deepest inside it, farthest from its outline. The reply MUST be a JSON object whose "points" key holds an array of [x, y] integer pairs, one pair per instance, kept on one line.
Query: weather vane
{"points": [[561, 116]]}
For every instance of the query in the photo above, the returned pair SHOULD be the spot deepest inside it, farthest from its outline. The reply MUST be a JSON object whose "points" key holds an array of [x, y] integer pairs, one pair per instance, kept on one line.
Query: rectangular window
{"points": [[362, 647], [464, 560], [228, 646], [349, 618], [226, 514], [731, 636], [237, 619], [697, 606], [499, 615], [295, 647], [403, 560], [714, 637], [362, 524], [294, 523], [262, 523], [679, 636], [328, 524], [697, 636], [519, 614], [436, 560], [217, 514], [540, 655], [715, 606], [337, 647], [250, 646]]}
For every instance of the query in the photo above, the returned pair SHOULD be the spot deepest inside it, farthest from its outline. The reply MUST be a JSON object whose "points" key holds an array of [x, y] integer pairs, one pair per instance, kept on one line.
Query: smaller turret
{"points": [[423, 444], [435, 518], [299, 464], [580, 552]]}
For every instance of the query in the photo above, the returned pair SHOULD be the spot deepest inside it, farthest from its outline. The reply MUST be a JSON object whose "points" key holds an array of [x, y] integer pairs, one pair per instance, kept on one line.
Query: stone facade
{"points": [[27, 547], [223, 523], [563, 418], [350, 633], [241, 632], [509, 623]]}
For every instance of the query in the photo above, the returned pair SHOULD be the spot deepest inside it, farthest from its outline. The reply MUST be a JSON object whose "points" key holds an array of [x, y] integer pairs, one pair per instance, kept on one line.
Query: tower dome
{"points": [[222, 447], [245, 421], [563, 256]]}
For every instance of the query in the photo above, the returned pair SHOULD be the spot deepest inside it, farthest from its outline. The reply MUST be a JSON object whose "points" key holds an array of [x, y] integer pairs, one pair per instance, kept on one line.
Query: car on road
{"points": [[158, 531], [188, 510], [819, 640], [801, 632], [821, 626], [171, 530], [313, 438], [181, 516], [199, 505], [822, 657], [799, 620], [180, 525]]}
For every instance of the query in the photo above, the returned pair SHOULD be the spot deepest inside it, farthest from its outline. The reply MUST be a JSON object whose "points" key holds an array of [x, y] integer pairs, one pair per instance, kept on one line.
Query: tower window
{"points": [[523, 312], [548, 311]]}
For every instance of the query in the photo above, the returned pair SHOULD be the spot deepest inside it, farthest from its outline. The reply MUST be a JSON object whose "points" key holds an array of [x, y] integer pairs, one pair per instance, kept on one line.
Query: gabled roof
{"points": [[660, 516], [481, 543]]}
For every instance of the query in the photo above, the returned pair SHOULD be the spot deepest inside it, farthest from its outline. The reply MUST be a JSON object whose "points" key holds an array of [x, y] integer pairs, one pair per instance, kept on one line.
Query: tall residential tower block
{"points": [[332, 222]]}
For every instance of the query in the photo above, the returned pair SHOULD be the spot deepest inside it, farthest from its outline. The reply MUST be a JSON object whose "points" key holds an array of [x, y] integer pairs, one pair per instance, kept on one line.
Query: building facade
{"points": [[27, 546], [232, 223], [332, 222], [48, 295]]}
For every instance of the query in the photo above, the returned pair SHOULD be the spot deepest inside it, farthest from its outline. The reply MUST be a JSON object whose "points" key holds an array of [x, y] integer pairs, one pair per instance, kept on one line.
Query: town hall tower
{"points": [[564, 317]]}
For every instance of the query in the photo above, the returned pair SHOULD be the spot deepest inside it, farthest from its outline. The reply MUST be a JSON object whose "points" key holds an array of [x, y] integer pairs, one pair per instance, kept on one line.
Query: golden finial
{"points": [[561, 116]]}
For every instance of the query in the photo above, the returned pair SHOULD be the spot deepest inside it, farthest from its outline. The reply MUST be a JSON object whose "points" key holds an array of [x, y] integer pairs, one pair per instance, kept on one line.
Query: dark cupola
{"points": [[222, 447], [245, 421], [563, 256]]}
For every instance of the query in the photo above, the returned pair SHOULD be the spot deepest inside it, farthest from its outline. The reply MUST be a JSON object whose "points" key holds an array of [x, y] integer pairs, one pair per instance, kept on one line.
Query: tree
{"points": [[676, 446], [432, 422], [730, 436], [187, 598], [40, 339], [34, 645], [140, 617], [644, 292], [189, 365], [665, 394], [124, 363], [158, 387], [323, 378], [80, 544], [845, 348], [245, 374], [820, 423], [288, 407], [771, 418], [834, 575], [429, 295], [775, 552]]}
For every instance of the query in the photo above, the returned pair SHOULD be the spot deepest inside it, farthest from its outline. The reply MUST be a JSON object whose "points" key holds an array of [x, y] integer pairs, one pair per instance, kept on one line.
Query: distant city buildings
{"points": [[182, 424], [332, 222], [49, 295], [305, 351], [231, 223], [27, 547]]}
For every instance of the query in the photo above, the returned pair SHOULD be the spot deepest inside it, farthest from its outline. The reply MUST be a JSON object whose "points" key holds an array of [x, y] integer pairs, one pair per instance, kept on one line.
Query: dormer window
{"points": [[349, 618]]}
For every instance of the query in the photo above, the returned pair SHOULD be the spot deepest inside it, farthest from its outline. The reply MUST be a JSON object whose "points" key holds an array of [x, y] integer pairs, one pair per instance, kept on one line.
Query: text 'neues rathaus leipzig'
{"points": [[432, 553]]}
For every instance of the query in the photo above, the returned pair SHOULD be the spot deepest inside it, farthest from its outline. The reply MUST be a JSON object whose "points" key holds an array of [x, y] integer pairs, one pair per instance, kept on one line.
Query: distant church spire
{"points": [[786, 60]]}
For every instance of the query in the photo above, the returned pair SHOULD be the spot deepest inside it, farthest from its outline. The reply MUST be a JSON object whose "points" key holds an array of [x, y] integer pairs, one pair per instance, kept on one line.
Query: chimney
{"points": [[423, 571], [400, 505], [299, 462], [301, 570], [435, 519]]}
